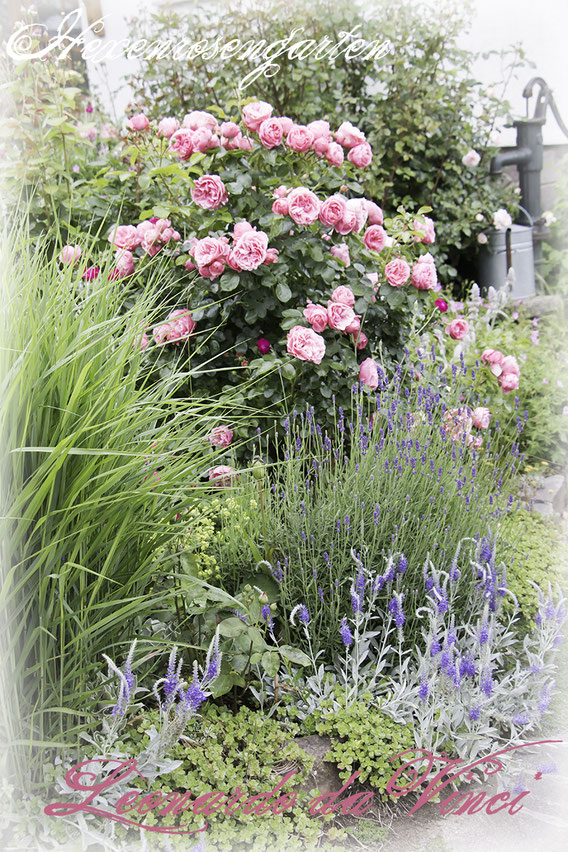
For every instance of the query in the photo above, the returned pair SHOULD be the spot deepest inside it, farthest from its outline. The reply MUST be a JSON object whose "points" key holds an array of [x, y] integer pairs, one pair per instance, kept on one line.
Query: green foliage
{"points": [[537, 555], [419, 104], [83, 512], [363, 739]]}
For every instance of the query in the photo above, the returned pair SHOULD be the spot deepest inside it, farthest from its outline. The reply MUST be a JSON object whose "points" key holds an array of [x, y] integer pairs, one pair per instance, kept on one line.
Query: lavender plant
{"points": [[403, 473]]}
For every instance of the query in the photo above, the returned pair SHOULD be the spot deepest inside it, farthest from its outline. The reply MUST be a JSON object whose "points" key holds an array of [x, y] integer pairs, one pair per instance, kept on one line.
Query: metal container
{"points": [[505, 249]]}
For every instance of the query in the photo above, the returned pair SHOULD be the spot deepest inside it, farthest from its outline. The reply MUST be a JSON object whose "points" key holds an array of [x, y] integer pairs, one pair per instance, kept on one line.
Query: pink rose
{"points": [[347, 224], [441, 305], [509, 365], [208, 250], [181, 143], [280, 206], [397, 272], [332, 210], [339, 316], [424, 273], [90, 273], [270, 132], [241, 228], [360, 339], [480, 417], [341, 252], [343, 295], [457, 423], [508, 382], [361, 155], [286, 124], [316, 315], [249, 251], [359, 208], [220, 436], [425, 228], [69, 255], [299, 138], [472, 158], [457, 328], [492, 356], [138, 122], [229, 129], [125, 237], [209, 192], [124, 263], [142, 342], [349, 136], [196, 119], [355, 326], [204, 140], [374, 212], [320, 146], [271, 256], [179, 327], [305, 344], [167, 127], [255, 113], [334, 154], [222, 475], [303, 206], [280, 191], [319, 129], [373, 277], [369, 374], [375, 238]]}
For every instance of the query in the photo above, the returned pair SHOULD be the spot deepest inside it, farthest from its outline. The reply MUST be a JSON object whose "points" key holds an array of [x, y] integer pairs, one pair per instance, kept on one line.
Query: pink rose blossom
{"points": [[424, 273], [369, 374], [349, 136], [179, 327], [241, 228], [319, 129], [374, 212], [197, 119], [472, 158], [222, 475], [204, 140], [343, 295], [229, 129], [280, 191], [509, 365], [208, 250], [361, 155], [493, 357], [167, 127], [271, 256], [355, 326], [397, 272], [126, 237], [316, 315], [220, 436], [375, 238], [305, 344], [341, 252], [280, 206], [263, 345], [304, 206], [332, 210], [181, 143], [457, 328], [360, 339], [457, 423], [426, 231], [255, 113], [286, 124], [508, 382], [299, 138], [249, 251], [334, 154], [441, 305], [209, 192], [359, 208], [138, 122], [373, 277], [69, 255], [124, 263], [339, 316], [270, 132], [142, 342], [480, 417], [90, 273]]}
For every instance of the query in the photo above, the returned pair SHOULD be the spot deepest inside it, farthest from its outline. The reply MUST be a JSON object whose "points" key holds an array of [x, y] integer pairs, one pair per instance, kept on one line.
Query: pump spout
{"points": [[516, 157]]}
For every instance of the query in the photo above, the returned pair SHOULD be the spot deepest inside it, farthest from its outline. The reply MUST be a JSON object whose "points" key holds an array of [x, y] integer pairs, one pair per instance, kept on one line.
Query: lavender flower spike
{"points": [[303, 614]]}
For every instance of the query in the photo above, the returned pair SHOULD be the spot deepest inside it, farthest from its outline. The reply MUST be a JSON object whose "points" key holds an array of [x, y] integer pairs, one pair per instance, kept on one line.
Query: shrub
{"points": [[419, 104]]}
